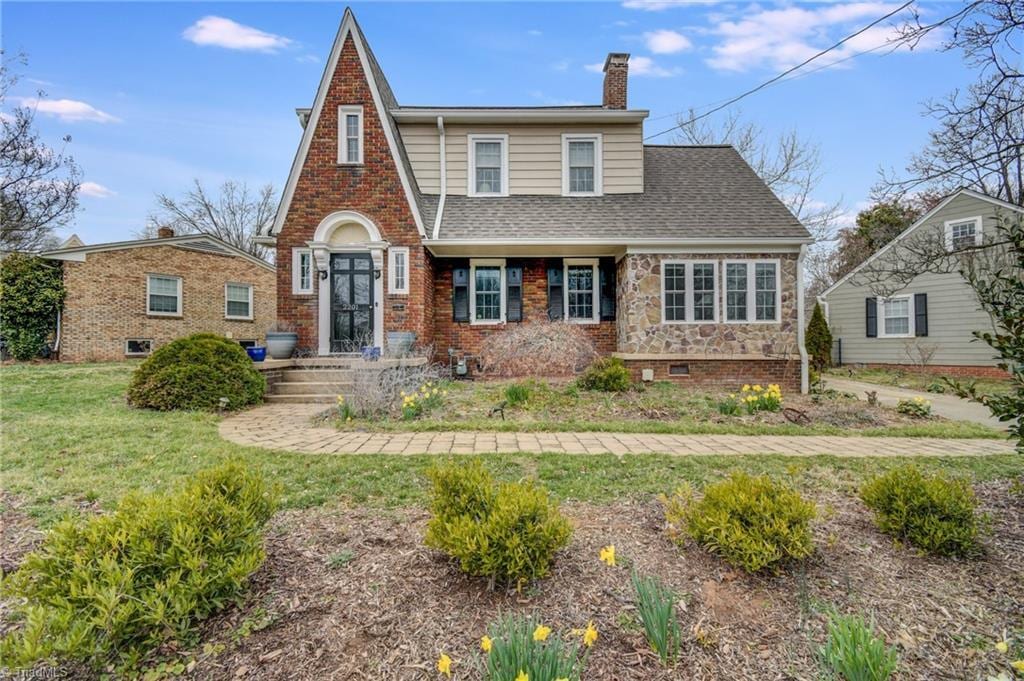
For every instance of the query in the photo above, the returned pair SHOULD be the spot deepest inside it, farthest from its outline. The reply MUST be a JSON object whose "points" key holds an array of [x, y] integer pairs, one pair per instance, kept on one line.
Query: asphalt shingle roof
{"points": [[690, 192]]}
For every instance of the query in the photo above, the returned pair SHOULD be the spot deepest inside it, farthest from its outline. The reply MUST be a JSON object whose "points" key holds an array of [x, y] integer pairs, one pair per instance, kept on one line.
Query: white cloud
{"points": [[308, 59], [597, 67], [68, 110], [553, 101], [95, 190], [666, 42], [659, 5], [221, 32], [645, 66]]}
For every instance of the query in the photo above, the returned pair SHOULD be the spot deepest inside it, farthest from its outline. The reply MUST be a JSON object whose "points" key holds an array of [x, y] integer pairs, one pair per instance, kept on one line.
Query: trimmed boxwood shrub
{"points": [[194, 373], [109, 590], [608, 374]]}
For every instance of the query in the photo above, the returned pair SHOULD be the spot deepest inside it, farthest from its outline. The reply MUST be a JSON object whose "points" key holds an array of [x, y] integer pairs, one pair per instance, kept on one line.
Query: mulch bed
{"points": [[395, 605]]}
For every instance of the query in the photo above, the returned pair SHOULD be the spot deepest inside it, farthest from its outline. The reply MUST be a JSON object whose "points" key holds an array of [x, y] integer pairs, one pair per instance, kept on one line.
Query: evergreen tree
{"points": [[818, 339]]}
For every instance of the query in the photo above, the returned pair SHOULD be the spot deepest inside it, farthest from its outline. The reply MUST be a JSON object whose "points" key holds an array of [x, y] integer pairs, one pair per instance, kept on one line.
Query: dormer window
{"points": [[488, 165], [961, 234], [581, 165], [350, 135]]}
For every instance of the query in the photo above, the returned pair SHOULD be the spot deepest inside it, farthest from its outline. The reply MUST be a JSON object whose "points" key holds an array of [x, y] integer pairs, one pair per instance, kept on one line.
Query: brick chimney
{"points": [[164, 233], [616, 72]]}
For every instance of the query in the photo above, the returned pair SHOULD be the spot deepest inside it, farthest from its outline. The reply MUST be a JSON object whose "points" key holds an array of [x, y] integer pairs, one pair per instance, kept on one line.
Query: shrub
{"points": [[521, 645], [757, 399], [917, 407], [936, 387], [818, 339], [934, 513], [508, 532], [517, 393], [753, 523], [608, 374], [194, 373], [31, 294], [657, 607], [376, 394], [537, 349], [111, 589], [852, 652]]}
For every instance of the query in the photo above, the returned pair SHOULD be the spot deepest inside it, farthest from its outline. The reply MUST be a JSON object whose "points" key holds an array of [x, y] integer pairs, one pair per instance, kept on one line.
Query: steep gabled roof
{"points": [[200, 241]]}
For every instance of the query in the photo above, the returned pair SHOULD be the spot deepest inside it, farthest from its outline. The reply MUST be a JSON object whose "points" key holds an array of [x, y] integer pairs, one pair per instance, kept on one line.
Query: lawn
{"points": [[915, 380]]}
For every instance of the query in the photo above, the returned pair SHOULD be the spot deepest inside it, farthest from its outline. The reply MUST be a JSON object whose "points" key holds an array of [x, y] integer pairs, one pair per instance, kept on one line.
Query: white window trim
{"points": [[392, 289], [880, 307], [128, 353], [689, 292], [491, 262], [152, 313], [597, 139], [239, 317], [752, 291], [948, 230], [297, 254], [348, 110], [471, 141], [596, 295]]}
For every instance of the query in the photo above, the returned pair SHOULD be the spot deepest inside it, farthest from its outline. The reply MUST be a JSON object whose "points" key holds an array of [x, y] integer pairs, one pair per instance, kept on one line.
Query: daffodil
{"points": [[608, 555], [486, 644], [1002, 647], [1018, 665], [444, 665], [590, 635], [541, 633], [522, 676], [746, 388]]}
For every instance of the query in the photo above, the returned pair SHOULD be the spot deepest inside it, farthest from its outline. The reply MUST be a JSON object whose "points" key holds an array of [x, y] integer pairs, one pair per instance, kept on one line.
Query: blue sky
{"points": [[155, 94]]}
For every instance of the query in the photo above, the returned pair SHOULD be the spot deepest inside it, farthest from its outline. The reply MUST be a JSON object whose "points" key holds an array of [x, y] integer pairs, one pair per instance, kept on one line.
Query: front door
{"points": [[351, 301]]}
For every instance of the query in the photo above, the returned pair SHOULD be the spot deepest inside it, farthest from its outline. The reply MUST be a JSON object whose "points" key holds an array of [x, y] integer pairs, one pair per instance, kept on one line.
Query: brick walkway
{"points": [[289, 428]]}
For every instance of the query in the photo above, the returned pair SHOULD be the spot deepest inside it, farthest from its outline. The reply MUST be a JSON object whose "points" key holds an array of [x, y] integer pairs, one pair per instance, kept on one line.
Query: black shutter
{"points": [[555, 289], [514, 293], [607, 268], [920, 314], [871, 317], [460, 292]]}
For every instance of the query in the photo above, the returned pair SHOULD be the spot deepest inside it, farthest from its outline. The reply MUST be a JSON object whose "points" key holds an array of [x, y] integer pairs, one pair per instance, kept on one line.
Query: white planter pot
{"points": [[281, 344]]}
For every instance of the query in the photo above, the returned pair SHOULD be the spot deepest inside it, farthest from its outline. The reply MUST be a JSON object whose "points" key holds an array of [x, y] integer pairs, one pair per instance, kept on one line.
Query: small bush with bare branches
{"points": [[378, 393], [537, 349]]}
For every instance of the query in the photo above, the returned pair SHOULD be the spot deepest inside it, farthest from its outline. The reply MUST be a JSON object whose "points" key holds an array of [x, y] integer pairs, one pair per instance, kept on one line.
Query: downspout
{"points": [[56, 342], [804, 377], [444, 176]]}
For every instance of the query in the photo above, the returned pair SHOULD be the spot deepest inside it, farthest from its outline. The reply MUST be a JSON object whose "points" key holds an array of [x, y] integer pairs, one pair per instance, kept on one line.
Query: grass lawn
{"points": [[70, 442], [913, 380]]}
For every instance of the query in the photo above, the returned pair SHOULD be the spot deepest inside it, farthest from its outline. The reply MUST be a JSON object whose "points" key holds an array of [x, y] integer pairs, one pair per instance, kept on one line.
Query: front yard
{"points": [[915, 380]]}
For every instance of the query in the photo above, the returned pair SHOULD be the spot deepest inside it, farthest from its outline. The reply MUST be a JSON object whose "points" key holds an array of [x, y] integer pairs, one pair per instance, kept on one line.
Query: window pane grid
{"points": [[399, 270], [582, 156], [765, 291], [897, 317], [163, 295], [488, 293], [305, 272], [237, 300], [580, 291], [675, 293], [703, 292], [736, 291]]}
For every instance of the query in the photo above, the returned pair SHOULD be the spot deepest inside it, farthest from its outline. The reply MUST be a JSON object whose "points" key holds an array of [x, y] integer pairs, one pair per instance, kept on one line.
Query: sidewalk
{"points": [[289, 428]]}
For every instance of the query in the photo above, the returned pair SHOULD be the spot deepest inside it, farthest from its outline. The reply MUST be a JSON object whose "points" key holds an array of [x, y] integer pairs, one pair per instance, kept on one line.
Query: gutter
{"points": [[444, 176], [804, 369]]}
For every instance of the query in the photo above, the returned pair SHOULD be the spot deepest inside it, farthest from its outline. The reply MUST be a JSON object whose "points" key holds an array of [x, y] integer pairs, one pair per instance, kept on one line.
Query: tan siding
{"points": [[535, 156]]}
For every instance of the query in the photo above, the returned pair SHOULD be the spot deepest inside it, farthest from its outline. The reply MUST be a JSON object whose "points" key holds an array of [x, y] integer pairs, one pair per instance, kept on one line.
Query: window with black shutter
{"points": [[460, 293], [920, 314], [514, 293], [871, 317], [555, 289], [607, 266]]}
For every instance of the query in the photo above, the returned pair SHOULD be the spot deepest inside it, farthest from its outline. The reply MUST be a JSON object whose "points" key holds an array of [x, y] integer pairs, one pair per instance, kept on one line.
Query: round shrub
{"points": [[934, 513], [608, 374], [194, 373], [753, 523]]}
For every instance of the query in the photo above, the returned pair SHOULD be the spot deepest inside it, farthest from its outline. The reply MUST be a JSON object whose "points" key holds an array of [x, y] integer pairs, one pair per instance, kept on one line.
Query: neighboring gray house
{"points": [[934, 313]]}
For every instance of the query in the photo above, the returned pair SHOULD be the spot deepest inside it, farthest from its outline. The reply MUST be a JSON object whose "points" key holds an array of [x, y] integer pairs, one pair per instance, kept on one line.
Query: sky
{"points": [[156, 94]]}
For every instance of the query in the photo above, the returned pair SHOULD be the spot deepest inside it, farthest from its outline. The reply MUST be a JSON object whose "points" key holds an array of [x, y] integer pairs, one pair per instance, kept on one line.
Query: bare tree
{"points": [[38, 185], [236, 215]]}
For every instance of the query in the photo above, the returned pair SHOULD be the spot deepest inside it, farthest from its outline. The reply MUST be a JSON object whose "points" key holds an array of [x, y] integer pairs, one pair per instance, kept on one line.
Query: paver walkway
{"points": [[289, 428]]}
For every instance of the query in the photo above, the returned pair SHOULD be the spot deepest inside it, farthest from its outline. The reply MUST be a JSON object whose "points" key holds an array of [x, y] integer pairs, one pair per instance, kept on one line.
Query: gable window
{"points": [[581, 165], [488, 165], [962, 234], [163, 295], [581, 290], [350, 135], [487, 294], [238, 301], [302, 270], [752, 291], [896, 317], [398, 270], [688, 291]]}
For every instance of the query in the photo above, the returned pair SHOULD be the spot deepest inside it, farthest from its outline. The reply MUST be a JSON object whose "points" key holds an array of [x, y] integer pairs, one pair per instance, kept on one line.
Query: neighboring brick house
{"points": [[454, 223], [125, 299]]}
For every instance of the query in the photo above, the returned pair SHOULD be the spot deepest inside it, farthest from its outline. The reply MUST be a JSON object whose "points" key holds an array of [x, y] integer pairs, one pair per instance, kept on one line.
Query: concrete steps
{"points": [[275, 398], [319, 380]]}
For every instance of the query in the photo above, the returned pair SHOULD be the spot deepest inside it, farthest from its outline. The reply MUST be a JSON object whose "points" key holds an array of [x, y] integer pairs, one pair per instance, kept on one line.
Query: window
{"points": [[688, 291], [581, 286], [488, 165], [350, 135], [163, 295], [247, 343], [752, 291], [138, 347], [238, 301], [963, 233], [487, 294], [896, 317], [679, 370], [302, 270], [398, 270], [581, 165]]}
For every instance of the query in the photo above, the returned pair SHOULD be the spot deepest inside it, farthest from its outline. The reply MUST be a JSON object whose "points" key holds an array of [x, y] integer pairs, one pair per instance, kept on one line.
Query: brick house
{"points": [[127, 298], [453, 223]]}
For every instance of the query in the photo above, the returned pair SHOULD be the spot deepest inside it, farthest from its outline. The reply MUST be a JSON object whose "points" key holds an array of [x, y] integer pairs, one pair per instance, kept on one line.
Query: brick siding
{"points": [[106, 299], [726, 375]]}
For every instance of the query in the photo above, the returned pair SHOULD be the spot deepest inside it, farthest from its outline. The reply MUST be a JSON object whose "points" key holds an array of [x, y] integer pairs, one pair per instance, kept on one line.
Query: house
{"points": [[928, 321], [455, 222], [127, 298]]}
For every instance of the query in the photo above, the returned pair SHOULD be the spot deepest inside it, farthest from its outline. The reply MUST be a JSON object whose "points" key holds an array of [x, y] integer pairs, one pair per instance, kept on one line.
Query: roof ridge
{"points": [[692, 146]]}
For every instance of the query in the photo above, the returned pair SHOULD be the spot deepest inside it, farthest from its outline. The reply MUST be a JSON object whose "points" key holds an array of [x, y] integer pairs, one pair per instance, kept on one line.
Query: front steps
{"points": [[319, 380]]}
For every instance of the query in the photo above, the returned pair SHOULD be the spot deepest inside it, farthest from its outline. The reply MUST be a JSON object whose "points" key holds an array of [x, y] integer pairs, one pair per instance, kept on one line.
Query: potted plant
{"points": [[281, 340]]}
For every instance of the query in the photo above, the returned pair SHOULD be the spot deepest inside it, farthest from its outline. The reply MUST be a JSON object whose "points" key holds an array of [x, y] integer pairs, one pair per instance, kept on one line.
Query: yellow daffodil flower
{"points": [[758, 388], [541, 633], [486, 644], [590, 635], [1002, 647], [444, 665], [522, 676], [746, 388], [1018, 665], [608, 555]]}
